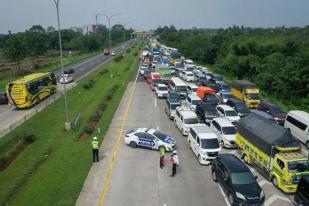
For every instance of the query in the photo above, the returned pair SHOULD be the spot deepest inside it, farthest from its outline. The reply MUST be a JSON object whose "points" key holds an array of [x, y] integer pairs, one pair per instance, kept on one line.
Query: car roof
{"points": [[268, 103], [232, 163], [161, 85], [204, 132], [262, 114], [192, 86], [235, 101], [223, 122], [225, 107], [194, 97]]}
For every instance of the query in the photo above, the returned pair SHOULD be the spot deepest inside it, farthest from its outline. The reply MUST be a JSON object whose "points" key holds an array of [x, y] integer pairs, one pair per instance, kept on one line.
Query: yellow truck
{"points": [[273, 150], [247, 92]]}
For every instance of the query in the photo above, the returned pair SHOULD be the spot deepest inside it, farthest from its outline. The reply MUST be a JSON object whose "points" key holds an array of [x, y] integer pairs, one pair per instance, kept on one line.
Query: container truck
{"points": [[273, 150], [247, 92], [165, 72]]}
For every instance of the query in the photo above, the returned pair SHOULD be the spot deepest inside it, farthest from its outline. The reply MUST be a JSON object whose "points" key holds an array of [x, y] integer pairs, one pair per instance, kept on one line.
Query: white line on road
{"points": [[155, 102], [158, 128], [263, 182], [223, 194], [273, 198]]}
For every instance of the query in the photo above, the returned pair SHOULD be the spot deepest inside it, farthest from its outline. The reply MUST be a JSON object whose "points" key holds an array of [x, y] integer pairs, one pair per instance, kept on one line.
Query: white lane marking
{"points": [[224, 196], [273, 198], [263, 182], [155, 102]]}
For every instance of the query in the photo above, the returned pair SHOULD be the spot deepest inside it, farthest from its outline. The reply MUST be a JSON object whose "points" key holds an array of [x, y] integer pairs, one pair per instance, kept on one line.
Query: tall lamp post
{"points": [[109, 26], [67, 124]]}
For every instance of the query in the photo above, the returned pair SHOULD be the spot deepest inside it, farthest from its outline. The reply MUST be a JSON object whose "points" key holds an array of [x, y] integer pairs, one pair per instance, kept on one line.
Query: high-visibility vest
{"points": [[95, 144]]}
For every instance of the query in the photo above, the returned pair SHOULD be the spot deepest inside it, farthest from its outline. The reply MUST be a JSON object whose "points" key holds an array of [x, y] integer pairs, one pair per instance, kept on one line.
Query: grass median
{"points": [[51, 170]]}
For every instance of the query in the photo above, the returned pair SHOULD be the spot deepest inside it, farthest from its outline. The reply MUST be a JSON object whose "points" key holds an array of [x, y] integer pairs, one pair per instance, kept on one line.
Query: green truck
{"points": [[165, 72], [273, 149]]}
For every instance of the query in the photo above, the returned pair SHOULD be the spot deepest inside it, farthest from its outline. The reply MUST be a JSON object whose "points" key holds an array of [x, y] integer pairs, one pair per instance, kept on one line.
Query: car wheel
{"points": [[190, 145], [275, 182], [37, 101], [246, 159], [214, 176], [133, 144], [300, 203], [182, 132], [231, 199], [199, 159]]}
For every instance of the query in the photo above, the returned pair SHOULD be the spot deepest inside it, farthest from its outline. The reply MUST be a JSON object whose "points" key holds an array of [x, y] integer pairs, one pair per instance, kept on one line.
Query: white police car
{"points": [[149, 138]]}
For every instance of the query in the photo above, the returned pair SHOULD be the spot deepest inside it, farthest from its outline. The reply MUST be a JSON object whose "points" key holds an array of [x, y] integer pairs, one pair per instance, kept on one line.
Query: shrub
{"points": [[118, 58]]}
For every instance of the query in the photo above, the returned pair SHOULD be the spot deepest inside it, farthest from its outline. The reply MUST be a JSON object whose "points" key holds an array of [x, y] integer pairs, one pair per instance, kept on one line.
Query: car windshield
{"points": [[227, 96], [163, 88], [158, 81], [242, 178], [231, 113], [253, 96], [160, 135], [210, 97], [209, 143], [174, 106], [181, 88], [277, 110], [190, 120], [189, 74], [211, 113], [298, 166], [229, 130], [195, 102]]}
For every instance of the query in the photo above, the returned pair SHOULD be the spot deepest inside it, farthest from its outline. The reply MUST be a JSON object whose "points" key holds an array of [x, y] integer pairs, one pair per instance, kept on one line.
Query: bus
{"points": [[31, 89]]}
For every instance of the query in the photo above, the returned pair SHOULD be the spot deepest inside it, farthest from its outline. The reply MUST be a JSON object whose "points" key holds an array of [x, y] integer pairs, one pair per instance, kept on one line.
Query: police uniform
{"points": [[95, 149]]}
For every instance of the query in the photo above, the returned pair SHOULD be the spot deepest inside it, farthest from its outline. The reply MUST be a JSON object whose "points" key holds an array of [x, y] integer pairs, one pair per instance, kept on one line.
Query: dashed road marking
{"points": [[274, 197]]}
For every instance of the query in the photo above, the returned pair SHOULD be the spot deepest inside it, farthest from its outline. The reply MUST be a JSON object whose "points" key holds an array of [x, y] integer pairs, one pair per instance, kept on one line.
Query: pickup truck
{"points": [[273, 149], [246, 92]]}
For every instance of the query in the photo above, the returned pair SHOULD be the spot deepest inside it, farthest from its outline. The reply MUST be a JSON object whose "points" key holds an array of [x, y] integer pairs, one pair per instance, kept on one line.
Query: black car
{"points": [[237, 181], [301, 196], [240, 107], [173, 95], [206, 112], [276, 112], [3, 98], [211, 99]]}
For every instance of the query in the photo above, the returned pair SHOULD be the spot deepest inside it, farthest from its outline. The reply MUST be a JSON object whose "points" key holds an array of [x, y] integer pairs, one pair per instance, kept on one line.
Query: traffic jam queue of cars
{"points": [[214, 114]]}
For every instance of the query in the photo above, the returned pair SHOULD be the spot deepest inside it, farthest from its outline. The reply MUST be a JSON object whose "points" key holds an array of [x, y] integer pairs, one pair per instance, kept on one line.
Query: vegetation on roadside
{"points": [[276, 59], [52, 169]]}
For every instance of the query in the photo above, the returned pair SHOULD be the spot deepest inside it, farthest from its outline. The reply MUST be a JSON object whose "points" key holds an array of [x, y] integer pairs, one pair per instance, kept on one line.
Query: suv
{"points": [[276, 112], [228, 112], [301, 196], [238, 183], [192, 100], [204, 143], [226, 130], [184, 119], [170, 107], [3, 98], [206, 112], [240, 107]]}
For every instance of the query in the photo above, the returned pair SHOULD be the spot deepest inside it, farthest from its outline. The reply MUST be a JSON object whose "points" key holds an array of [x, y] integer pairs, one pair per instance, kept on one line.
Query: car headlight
{"points": [[240, 196], [262, 195], [276, 118]]}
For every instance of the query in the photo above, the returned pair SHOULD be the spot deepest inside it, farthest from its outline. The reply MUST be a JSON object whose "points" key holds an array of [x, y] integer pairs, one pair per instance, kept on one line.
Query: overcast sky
{"points": [[18, 15]]}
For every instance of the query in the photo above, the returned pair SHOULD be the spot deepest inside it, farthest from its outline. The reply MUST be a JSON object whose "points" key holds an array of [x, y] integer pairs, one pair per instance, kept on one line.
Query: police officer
{"points": [[95, 149]]}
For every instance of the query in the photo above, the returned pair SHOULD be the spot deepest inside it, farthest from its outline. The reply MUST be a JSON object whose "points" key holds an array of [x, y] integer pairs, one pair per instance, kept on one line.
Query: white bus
{"points": [[179, 86]]}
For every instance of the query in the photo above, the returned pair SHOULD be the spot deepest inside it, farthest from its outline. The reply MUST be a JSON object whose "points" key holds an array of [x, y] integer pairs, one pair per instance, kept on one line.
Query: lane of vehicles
{"points": [[231, 124]]}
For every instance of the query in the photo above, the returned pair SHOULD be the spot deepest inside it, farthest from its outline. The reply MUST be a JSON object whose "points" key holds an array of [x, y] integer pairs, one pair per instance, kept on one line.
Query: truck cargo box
{"points": [[240, 85], [264, 133]]}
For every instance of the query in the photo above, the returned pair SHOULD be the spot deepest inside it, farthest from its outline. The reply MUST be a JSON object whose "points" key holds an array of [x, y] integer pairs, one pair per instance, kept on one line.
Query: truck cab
{"points": [[246, 92]]}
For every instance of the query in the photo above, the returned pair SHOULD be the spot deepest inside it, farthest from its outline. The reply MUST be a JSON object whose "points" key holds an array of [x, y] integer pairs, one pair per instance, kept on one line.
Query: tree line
{"points": [[37, 41], [276, 59]]}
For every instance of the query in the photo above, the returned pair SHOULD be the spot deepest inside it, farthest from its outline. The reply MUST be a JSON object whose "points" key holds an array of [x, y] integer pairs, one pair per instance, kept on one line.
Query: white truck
{"points": [[204, 143]]}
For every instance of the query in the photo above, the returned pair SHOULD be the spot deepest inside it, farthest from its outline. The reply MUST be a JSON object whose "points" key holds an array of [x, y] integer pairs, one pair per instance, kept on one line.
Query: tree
{"points": [[15, 50]]}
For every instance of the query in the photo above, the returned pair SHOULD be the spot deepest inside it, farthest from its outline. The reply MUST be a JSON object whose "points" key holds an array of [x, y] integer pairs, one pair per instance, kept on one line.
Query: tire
{"points": [[199, 159], [182, 132], [37, 101], [214, 176], [231, 199], [275, 182], [133, 144], [300, 203], [190, 145]]}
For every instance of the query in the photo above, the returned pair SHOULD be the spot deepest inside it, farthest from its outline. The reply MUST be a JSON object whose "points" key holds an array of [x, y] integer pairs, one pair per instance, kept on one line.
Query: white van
{"points": [[204, 143], [192, 89], [188, 76], [188, 64], [226, 131], [192, 100], [179, 86], [298, 123], [184, 119]]}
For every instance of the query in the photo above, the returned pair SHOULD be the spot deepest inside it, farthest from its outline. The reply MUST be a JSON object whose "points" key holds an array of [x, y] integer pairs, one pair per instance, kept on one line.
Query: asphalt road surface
{"points": [[134, 176], [11, 116]]}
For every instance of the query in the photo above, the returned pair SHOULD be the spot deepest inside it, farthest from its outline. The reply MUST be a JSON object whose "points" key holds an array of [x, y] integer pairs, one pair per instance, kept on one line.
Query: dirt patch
{"points": [[11, 155], [95, 118]]}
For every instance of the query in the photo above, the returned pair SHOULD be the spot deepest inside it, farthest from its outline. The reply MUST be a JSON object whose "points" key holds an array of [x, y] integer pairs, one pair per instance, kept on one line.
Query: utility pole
{"points": [[67, 124]]}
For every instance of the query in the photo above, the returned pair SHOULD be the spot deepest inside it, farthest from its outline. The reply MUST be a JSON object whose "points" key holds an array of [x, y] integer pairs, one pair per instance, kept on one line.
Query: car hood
{"points": [[250, 191], [169, 140], [229, 137]]}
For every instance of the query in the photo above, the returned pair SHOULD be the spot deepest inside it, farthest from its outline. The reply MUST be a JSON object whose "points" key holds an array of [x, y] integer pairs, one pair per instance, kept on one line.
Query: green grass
{"points": [[52, 170], [52, 66]]}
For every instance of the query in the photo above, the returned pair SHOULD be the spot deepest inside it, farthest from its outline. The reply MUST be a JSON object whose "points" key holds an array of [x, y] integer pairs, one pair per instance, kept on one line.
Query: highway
{"points": [[128, 176], [11, 116]]}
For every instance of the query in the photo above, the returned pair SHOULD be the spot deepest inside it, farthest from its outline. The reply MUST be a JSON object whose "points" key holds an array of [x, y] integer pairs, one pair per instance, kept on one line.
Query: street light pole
{"points": [[109, 26], [67, 123]]}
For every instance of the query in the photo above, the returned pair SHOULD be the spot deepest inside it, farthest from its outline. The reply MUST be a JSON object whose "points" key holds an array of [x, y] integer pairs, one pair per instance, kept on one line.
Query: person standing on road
{"points": [[95, 149], [174, 161], [162, 154]]}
